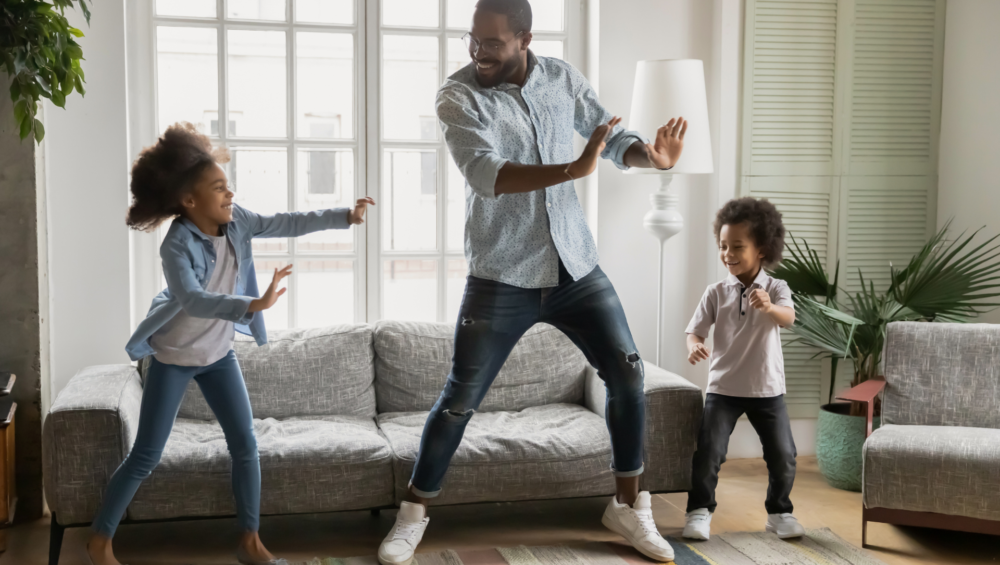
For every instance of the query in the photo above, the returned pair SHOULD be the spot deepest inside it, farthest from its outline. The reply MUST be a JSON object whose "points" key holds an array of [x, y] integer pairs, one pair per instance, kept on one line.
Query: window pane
{"points": [[324, 293], [460, 13], [410, 84], [259, 177], [325, 11], [325, 180], [458, 56], [456, 207], [189, 8], [410, 290], [547, 15], [410, 13], [325, 88], [257, 83], [409, 200], [275, 317], [457, 272], [547, 48], [187, 77], [273, 10]]}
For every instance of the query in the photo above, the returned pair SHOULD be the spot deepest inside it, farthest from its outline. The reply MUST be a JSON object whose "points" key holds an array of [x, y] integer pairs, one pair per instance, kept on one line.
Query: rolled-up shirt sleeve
{"points": [[469, 141], [590, 114], [704, 315]]}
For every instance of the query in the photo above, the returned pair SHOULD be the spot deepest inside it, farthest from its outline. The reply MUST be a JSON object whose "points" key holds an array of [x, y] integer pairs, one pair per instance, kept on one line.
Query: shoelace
{"points": [[645, 518], [406, 531]]}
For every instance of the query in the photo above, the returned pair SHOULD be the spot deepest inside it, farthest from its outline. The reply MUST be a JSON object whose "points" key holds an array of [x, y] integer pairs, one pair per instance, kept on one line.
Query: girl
{"points": [[189, 330]]}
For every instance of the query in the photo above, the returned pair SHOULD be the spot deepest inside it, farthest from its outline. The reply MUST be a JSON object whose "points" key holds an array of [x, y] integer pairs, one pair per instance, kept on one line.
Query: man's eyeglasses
{"points": [[489, 47]]}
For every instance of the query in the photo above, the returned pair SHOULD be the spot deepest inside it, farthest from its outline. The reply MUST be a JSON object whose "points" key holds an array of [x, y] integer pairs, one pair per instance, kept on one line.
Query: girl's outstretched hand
{"points": [[357, 215], [272, 293]]}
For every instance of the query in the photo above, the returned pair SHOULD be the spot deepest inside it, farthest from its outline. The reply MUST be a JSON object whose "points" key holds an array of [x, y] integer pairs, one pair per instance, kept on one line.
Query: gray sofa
{"points": [[935, 462], [338, 415]]}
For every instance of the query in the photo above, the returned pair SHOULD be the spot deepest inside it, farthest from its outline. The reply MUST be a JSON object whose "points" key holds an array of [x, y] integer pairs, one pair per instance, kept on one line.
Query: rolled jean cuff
{"points": [[624, 474], [423, 494]]}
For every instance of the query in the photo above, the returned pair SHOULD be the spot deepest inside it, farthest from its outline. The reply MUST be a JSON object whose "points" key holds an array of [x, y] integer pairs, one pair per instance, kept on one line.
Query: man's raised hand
{"points": [[668, 145], [587, 162]]}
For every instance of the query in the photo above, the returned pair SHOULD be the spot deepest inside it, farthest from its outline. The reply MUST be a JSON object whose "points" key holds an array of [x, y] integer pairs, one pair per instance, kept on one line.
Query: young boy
{"points": [[747, 374]]}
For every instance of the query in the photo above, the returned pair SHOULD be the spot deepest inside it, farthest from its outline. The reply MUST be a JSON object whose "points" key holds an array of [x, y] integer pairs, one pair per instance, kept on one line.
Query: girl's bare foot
{"points": [[99, 550], [252, 548]]}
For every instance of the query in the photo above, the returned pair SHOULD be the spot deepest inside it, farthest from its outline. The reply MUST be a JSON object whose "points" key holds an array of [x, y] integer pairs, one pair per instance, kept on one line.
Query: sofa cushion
{"points": [[413, 359], [942, 375], [316, 464], [303, 372], [553, 451], [943, 469]]}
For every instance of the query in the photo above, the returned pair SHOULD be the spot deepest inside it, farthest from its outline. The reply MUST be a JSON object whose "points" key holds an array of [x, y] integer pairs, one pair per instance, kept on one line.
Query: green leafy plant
{"points": [[946, 281], [42, 58]]}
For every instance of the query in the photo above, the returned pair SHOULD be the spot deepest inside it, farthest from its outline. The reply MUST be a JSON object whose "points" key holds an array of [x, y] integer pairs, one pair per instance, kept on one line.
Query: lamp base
{"points": [[664, 220]]}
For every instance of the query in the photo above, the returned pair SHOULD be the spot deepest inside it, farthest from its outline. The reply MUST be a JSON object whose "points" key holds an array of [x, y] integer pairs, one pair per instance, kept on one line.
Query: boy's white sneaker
{"points": [[635, 524], [784, 525], [698, 524], [399, 546]]}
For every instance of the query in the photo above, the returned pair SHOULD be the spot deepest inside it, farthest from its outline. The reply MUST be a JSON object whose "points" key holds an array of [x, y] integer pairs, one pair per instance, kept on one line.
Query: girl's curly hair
{"points": [[165, 172], [764, 221]]}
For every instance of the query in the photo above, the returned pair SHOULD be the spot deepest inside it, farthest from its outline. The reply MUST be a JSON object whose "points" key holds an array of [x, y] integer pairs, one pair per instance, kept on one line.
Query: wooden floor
{"points": [[742, 487]]}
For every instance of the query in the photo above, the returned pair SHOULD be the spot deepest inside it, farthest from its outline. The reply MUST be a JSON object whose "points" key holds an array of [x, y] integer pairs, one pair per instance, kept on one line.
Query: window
{"points": [[322, 102], [841, 113]]}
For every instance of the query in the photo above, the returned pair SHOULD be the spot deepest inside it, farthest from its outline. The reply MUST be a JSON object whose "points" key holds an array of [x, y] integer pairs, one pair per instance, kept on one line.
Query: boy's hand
{"points": [[698, 352], [357, 216], [272, 293], [761, 300]]}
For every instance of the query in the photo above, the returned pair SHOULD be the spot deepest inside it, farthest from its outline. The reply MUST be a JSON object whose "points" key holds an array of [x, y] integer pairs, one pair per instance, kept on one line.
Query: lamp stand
{"points": [[663, 221]]}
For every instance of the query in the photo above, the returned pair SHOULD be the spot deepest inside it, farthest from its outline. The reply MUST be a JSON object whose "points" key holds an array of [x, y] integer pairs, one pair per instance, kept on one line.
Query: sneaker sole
{"points": [[773, 530], [613, 526], [698, 537], [384, 562]]}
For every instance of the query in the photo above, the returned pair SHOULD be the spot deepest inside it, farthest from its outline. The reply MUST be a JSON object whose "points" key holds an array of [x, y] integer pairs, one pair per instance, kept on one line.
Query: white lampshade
{"points": [[667, 89]]}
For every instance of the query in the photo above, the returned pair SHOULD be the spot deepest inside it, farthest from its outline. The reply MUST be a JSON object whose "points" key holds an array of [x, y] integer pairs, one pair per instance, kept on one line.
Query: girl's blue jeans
{"points": [[226, 393], [492, 318]]}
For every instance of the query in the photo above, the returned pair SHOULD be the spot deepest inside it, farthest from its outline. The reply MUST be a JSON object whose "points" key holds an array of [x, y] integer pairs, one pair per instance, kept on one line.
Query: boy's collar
{"points": [[760, 280]]}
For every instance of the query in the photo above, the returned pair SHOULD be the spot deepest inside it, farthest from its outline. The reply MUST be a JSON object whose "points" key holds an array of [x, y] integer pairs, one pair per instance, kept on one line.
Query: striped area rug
{"points": [[818, 547]]}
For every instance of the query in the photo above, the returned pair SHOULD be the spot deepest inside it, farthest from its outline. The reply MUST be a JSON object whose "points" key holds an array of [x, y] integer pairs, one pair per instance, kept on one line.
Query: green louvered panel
{"points": [[791, 49], [895, 85], [887, 220]]}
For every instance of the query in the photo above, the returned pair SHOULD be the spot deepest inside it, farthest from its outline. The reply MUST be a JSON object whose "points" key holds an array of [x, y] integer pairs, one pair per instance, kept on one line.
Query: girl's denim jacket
{"points": [[189, 260]]}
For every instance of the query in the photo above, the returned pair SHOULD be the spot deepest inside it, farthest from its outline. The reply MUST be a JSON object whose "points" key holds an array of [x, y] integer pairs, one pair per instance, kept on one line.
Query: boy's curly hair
{"points": [[764, 221], [164, 173]]}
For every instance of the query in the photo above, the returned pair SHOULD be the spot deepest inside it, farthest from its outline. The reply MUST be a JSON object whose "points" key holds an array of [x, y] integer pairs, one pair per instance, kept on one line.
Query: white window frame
{"points": [[368, 255]]}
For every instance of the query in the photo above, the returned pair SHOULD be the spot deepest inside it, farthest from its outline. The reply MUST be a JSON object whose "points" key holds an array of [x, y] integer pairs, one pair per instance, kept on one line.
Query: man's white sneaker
{"points": [[785, 525], [699, 524], [635, 524], [398, 547]]}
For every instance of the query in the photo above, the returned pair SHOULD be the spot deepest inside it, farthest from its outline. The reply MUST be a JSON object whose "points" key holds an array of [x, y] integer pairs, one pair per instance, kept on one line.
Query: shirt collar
{"points": [[760, 280], [194, 229]]}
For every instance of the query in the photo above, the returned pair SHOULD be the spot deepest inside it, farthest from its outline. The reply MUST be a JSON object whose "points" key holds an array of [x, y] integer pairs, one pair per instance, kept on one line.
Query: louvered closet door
{"points": [[890, 169]]}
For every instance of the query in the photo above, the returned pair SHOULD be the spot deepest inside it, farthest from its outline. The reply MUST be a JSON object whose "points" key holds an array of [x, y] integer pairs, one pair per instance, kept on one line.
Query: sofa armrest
{"points": [[673, 417], [865, 393], [86, 435]]}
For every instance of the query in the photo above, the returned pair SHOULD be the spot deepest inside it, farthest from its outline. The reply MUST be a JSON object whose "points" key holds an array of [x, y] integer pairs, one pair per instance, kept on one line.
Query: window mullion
{"points": [[291, 132]]}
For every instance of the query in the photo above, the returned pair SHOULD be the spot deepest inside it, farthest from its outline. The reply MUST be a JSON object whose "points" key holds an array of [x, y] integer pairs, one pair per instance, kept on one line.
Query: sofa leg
{"points": [[376, 512], [55, 540], [864, 533]]}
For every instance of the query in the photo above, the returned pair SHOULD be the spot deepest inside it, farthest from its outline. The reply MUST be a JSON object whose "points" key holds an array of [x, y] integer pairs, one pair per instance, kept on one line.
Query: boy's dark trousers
{"points": [[769, 418]]}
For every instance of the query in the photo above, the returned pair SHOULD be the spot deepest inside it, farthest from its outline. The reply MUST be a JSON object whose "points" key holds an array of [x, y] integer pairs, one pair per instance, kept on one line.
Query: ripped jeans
{"points": [[493, 317]]}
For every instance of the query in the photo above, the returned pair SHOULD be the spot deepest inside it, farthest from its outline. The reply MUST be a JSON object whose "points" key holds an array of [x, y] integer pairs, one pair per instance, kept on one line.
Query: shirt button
{"points": [[549, 204], [743, 313]]}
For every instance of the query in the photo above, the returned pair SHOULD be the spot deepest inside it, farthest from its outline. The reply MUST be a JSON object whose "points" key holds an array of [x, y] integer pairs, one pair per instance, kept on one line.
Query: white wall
{"points": [[969, 167], [86, 156], [630, 31]]}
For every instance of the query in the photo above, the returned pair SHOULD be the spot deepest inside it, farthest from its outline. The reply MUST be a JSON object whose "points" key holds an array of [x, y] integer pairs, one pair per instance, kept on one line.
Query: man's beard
{"points": [[507, 70]]}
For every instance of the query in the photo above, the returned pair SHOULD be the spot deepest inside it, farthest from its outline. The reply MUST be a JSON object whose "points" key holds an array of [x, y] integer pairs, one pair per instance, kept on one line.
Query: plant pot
{"points": [[839, 439]]}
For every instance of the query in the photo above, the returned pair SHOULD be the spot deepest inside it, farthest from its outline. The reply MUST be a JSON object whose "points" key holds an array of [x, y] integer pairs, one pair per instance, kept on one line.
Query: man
{"points": [[508, 119]]}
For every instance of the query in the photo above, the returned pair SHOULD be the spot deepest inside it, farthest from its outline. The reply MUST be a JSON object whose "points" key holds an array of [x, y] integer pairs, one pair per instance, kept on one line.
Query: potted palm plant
{"points": [[948, 280]]}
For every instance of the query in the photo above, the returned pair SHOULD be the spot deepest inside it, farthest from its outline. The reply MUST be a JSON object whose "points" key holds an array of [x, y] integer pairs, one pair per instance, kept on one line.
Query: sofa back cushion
{"points": [[942, 375], [413, 359], [304, 372]]}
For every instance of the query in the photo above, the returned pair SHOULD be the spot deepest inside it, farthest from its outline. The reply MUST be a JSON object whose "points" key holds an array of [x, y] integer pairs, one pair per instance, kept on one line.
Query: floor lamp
{"points": [[667, 89]]}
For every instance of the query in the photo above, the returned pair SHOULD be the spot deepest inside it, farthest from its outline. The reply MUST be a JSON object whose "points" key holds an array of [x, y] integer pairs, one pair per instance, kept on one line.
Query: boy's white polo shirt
{"points": [[746, 358]]}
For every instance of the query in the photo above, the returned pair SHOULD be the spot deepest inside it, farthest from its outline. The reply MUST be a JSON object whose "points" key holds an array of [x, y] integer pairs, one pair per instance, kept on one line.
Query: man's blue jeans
{"points": [[493, 317], [226, 394]]}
